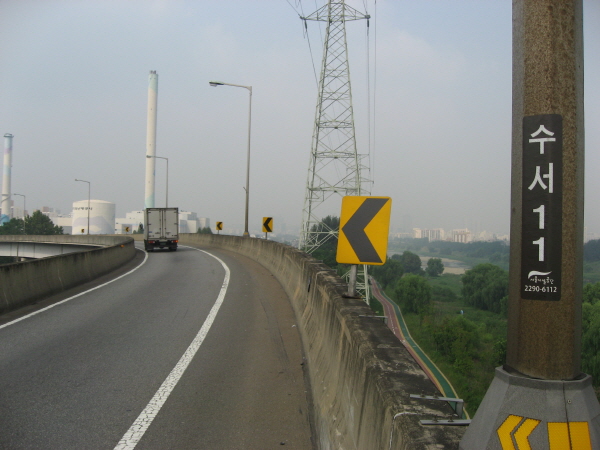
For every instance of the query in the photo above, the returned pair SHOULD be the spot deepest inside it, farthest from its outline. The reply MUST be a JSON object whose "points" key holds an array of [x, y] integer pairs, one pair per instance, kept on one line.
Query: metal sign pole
{"points": [[352, 281]]}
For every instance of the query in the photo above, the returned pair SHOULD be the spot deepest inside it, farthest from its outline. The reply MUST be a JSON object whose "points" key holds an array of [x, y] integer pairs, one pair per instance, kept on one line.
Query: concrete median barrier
{"points": [[25, 282], [361, 376]]}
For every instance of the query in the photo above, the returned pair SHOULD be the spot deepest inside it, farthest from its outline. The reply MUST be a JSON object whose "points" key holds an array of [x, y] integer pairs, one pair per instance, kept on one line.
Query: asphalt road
{"points": [[170, 356]]}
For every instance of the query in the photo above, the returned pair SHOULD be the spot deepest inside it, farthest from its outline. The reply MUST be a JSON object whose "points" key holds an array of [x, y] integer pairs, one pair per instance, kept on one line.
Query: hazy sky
{"points": [[74, 89]]}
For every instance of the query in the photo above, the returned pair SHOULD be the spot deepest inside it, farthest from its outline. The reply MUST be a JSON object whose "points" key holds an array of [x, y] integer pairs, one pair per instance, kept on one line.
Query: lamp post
{"points": [[88, 208], [167, 160], [24, 208], [219, 83]]}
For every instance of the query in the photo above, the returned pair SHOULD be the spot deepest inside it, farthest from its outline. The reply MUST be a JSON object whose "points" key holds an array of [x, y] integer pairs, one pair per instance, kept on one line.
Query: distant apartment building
{"points": [[203, 222], [401, 235], [462, 235], [188, 222], [436, 234]]}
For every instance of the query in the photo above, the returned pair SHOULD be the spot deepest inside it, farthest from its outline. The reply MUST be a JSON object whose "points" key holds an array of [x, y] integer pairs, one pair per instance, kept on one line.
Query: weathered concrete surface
{"points": [[361, 375], [544, 337], [35, 250], [544, 401], [25, 282]]}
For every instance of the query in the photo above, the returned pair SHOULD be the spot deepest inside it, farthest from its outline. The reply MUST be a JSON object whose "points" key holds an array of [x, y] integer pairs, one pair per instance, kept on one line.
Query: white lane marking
{"points": [[78, 295], [135, 433]]}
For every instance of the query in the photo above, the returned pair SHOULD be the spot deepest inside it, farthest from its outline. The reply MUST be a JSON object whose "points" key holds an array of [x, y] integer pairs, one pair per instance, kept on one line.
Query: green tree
{"points": [[435, 267], [591, 293], [443, 293], [39, 223], [140, 229], [499, 355], [458, 339], [410, 262], [413, 294], [591, 250], [485, 286], [12, 227], [387, 273], [204, 230], [590, 340]]}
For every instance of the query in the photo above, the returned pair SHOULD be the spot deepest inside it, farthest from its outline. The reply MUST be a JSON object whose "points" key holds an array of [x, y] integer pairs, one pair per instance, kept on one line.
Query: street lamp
{"points": [[167, 160], [24, 208], [219, 83], [89, 189]]}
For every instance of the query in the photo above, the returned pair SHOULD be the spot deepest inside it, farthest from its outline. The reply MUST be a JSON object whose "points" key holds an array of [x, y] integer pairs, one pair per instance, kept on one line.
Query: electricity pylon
{"points": [[335, 168]]}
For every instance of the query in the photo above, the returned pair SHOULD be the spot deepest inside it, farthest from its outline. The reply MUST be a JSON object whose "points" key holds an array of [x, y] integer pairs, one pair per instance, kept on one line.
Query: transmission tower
{"points": [[335, 167]]}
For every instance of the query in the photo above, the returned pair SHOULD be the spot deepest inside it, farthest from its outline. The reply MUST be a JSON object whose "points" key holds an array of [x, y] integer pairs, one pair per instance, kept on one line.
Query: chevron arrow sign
{"points": [[267, 224], [364, 229]]}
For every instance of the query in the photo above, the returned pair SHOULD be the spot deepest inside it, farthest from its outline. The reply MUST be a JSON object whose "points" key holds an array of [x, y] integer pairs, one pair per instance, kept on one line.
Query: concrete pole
{"points": [[151, 139], [6, 177], [540, 399], [544, 335]]}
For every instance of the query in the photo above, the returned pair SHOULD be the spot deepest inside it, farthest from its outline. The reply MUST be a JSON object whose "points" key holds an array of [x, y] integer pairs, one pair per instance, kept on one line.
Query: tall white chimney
{"points": [[151, 138], [6, 199]]}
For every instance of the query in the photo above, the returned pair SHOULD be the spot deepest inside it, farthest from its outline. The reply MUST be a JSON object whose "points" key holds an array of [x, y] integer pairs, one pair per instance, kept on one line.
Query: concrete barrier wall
{"points": [[361, 376], [25, 282]]}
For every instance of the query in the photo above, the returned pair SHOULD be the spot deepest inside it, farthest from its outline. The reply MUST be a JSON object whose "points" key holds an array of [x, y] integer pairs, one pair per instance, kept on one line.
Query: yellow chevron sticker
{"points": [[522, 434], [505, 430], [569, 436], [515, 430]]}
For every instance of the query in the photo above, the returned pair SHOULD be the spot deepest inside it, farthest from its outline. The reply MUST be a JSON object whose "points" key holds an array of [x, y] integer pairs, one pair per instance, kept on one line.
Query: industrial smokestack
{"points": [[151, 138], [6, 200]]}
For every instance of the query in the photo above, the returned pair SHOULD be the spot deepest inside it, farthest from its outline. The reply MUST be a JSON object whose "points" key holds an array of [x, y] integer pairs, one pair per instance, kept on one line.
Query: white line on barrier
{"points": [[75, 296], [135, 433]]}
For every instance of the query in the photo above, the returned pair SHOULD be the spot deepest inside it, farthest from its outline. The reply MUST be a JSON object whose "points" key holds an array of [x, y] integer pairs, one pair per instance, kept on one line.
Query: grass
{"points": [[448, 280], [591, 272], [472, 384], [376, 307]]}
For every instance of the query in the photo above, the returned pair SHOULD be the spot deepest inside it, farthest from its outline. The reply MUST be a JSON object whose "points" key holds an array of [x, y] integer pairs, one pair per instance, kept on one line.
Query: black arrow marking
{"points": [[355, 230], [267, 224]]}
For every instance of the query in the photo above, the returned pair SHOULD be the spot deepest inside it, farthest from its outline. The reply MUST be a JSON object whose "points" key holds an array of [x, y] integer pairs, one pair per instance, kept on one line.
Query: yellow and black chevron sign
{"points": [[364, 227], [267, 225]]}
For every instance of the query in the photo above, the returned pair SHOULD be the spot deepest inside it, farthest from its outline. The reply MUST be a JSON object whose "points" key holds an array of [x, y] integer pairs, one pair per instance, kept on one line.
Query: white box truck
{"points": [[162, 228]]}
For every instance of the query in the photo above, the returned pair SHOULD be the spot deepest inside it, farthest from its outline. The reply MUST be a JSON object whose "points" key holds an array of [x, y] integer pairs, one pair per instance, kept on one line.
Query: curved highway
{"points": [[186, 350]]}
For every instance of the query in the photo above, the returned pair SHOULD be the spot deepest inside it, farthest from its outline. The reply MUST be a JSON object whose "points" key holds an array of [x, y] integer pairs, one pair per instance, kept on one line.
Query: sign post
{"points": [[540, 399], [219, 227]]}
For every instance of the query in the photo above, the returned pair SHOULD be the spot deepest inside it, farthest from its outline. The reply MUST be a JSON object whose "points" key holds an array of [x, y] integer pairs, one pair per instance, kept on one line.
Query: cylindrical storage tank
{"points": [[102, 217]]}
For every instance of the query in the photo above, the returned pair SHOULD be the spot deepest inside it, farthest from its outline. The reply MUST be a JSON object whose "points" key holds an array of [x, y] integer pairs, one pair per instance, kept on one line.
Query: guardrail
{"points": [[361, 376], [23, 283]]}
